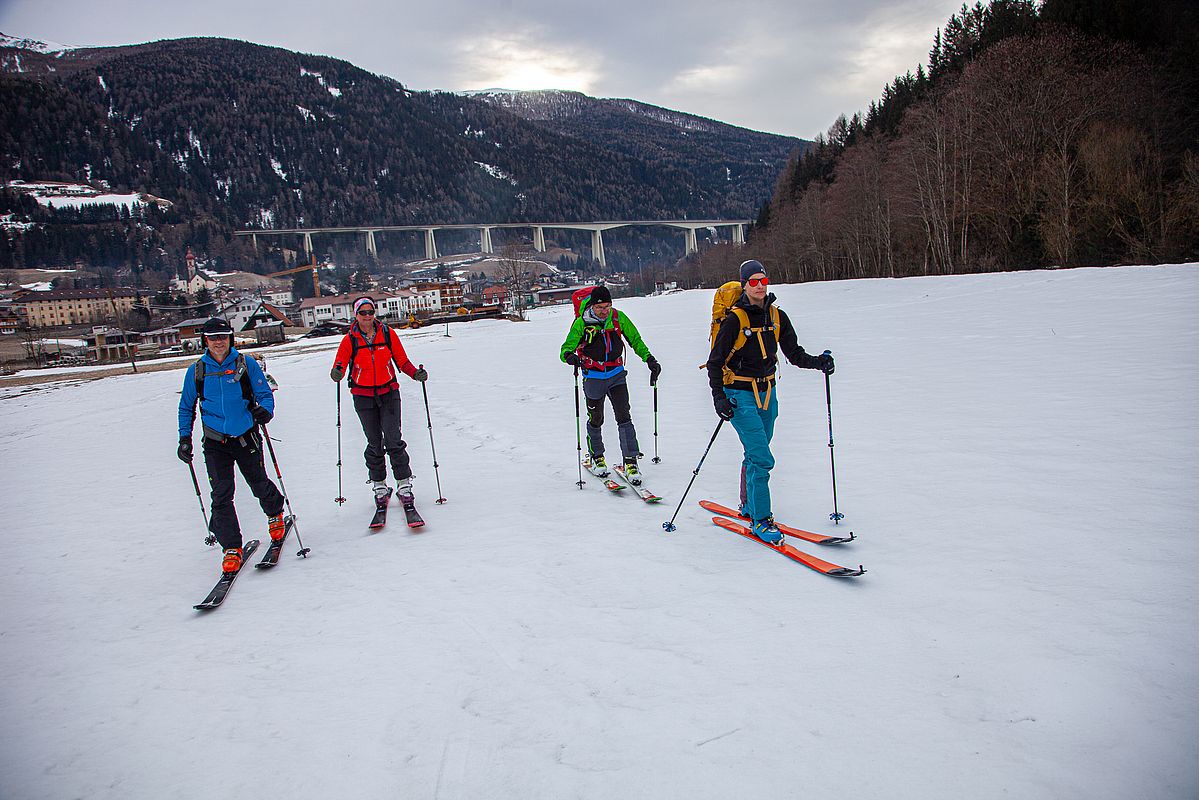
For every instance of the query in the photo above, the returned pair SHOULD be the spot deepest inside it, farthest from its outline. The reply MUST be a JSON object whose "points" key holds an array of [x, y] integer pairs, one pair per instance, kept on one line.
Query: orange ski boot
{"points": [[232, 560], [276, 527]]}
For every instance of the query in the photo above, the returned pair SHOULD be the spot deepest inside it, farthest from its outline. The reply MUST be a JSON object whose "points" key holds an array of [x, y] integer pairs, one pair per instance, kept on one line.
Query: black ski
{"points": [[217, 595], [414, 517], [271, 557], [380, 518]]}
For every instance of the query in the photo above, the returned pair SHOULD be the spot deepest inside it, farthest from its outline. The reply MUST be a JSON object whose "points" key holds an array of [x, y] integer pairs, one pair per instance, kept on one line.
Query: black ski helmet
{"points": [[216, 327]]}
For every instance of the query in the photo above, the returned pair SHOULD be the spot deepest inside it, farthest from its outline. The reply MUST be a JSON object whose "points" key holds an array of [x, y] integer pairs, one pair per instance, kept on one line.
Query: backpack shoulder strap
{"points": [[243, 377], [742, 327], [199, 375]]}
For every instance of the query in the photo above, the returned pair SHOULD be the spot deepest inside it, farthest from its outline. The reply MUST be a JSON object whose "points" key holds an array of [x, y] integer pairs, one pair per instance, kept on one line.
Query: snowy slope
{"points": [[1016, 452]]}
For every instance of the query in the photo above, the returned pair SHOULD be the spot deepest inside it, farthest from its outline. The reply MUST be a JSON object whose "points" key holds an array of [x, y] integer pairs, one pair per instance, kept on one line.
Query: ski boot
{"points": [[232, 560], [768, 532], [276, 527], [632, 472], [404, 492], [596, 465]]}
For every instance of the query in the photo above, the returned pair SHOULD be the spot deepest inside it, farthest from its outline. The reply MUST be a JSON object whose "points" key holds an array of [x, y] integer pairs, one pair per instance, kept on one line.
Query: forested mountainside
{"points": [[236, 135], [713, 153], [1059, 133]]}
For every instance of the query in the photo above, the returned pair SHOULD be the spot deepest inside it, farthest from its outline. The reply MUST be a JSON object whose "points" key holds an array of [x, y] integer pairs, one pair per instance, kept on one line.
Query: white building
{"points": [[395, 305], [334, 308], [249, 312], [193, 285], [281, 297]]}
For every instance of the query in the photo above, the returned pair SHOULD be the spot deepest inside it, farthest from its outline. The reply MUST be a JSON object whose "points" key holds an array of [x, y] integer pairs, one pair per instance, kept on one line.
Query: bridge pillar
{"points": [[254, 241], [485, 240], [738, 234], [539, 239], [430, 244], [597, 247], [691, 245], [370, 245], [308, 245]]}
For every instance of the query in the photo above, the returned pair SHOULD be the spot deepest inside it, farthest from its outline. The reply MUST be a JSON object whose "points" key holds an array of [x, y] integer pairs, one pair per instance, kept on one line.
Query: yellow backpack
{"points": [[723, 305]]}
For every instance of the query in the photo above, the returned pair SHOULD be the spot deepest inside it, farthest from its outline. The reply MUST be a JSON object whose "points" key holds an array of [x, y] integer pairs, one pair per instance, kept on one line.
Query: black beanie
{"points": [[751, 268], [601, 294]]}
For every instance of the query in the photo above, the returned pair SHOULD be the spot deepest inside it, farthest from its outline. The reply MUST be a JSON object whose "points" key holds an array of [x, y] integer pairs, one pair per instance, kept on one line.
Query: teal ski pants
{"points": [[755, 427]]}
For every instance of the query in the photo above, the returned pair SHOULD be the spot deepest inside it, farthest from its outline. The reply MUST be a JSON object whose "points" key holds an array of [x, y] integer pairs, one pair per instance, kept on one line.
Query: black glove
{"points": [[337, 373], [420, 375], [572, 359], [185, 449], [826, 363], [261, 415], [724, 406], [655, 369]]}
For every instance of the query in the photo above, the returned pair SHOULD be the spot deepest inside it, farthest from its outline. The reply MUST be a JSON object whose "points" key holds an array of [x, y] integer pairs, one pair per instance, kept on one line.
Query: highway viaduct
{"points": [[688, 227]]}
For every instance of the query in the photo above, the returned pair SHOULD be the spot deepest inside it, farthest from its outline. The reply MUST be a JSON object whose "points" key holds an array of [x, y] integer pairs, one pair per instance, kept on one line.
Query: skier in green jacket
{"points": [[595, 345]]}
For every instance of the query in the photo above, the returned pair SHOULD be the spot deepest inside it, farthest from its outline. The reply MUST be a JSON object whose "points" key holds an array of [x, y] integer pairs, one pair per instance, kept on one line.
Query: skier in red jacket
{"points": [[370, 353]]}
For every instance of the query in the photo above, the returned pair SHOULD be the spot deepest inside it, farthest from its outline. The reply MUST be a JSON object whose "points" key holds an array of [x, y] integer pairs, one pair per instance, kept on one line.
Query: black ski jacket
{"points": [[748, 361]]}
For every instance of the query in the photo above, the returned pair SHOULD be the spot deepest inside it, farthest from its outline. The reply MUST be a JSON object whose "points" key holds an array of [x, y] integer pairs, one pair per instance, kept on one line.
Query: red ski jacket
{"points": [[372, 373]]}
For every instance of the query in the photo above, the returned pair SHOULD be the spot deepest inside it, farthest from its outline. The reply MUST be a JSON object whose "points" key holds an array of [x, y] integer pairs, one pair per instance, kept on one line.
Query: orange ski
{"points": [[807, 536], [818, 564]]}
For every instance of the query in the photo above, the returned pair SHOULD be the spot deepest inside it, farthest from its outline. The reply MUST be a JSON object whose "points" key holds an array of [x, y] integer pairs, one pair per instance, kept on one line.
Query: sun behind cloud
{"points": [[524, 61]]}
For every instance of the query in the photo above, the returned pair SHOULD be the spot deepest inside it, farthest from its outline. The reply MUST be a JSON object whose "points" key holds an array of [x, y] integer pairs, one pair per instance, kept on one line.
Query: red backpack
{"points": [[580, 295]]}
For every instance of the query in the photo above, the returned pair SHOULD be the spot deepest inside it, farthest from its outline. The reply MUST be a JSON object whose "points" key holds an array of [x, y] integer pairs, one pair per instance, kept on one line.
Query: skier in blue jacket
{"points": [[234, 399]]}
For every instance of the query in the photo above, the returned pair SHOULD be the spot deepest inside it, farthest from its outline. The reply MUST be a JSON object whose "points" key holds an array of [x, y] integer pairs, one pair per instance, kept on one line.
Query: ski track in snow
{"points": [[1016, 453]]}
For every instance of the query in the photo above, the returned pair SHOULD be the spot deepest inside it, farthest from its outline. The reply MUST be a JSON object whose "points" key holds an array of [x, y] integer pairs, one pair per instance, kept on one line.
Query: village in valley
{"points": [[58, 318]]}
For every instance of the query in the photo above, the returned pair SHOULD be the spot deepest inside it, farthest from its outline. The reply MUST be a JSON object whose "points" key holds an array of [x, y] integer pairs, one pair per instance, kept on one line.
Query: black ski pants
{"points": [[219, 457], [380, 418], [617, 390]]}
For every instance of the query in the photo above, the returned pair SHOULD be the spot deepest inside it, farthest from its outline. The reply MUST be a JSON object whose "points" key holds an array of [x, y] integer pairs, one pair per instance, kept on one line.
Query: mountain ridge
{"points": [[242, 135]]}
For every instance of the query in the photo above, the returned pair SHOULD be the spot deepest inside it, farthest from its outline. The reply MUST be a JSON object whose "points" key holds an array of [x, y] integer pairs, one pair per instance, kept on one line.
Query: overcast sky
{"points": [[783, 66]]}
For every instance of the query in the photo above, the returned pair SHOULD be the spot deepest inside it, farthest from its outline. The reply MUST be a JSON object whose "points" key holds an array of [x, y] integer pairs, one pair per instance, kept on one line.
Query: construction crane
{"points": [[316, 281]]}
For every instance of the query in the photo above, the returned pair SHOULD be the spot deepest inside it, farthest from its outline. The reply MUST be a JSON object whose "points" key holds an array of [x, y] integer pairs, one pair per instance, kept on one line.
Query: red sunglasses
{"points": [[758, 282]]}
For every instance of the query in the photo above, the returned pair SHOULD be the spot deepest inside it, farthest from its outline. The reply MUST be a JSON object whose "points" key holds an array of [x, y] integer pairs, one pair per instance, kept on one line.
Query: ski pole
{"points": [[578, 432], [429, 419], [655, 459], [303, 551], [669, 526], [210, 538], [340, 499], [836, 516]]}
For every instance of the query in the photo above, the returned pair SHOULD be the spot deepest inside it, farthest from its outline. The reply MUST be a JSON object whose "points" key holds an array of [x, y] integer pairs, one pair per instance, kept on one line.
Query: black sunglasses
{"points": [[366, 313]]}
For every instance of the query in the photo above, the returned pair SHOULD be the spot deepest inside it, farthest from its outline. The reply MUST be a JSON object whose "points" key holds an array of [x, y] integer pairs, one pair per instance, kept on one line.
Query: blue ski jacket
{"points": [[224, 408]]}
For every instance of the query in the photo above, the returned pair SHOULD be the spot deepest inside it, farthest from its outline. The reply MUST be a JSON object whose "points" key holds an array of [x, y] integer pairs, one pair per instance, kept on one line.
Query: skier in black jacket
{"points": [[741, 373]]}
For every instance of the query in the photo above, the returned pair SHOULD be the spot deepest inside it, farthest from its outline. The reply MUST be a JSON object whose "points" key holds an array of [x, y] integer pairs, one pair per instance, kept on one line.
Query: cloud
{"points": [[523, 60], [785, 66]]}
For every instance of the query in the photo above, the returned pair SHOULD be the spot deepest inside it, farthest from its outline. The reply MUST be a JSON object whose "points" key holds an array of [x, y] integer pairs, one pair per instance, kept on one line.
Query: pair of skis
{"points": [[269, 559], [410, 513], [728, 521], [615, 486]]}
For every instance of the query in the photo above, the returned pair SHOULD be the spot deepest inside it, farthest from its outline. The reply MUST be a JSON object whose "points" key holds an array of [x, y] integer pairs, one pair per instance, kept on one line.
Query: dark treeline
{"points": [[1062, 134]]}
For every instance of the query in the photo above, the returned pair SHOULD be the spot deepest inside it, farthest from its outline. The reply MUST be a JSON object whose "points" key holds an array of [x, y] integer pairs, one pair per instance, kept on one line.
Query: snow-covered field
{"points": [[1017, 453]]}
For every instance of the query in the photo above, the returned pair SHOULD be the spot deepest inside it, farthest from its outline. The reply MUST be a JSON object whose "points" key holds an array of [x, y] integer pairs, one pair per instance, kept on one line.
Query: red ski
{"points": [[818, 564], [807, 536]]}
